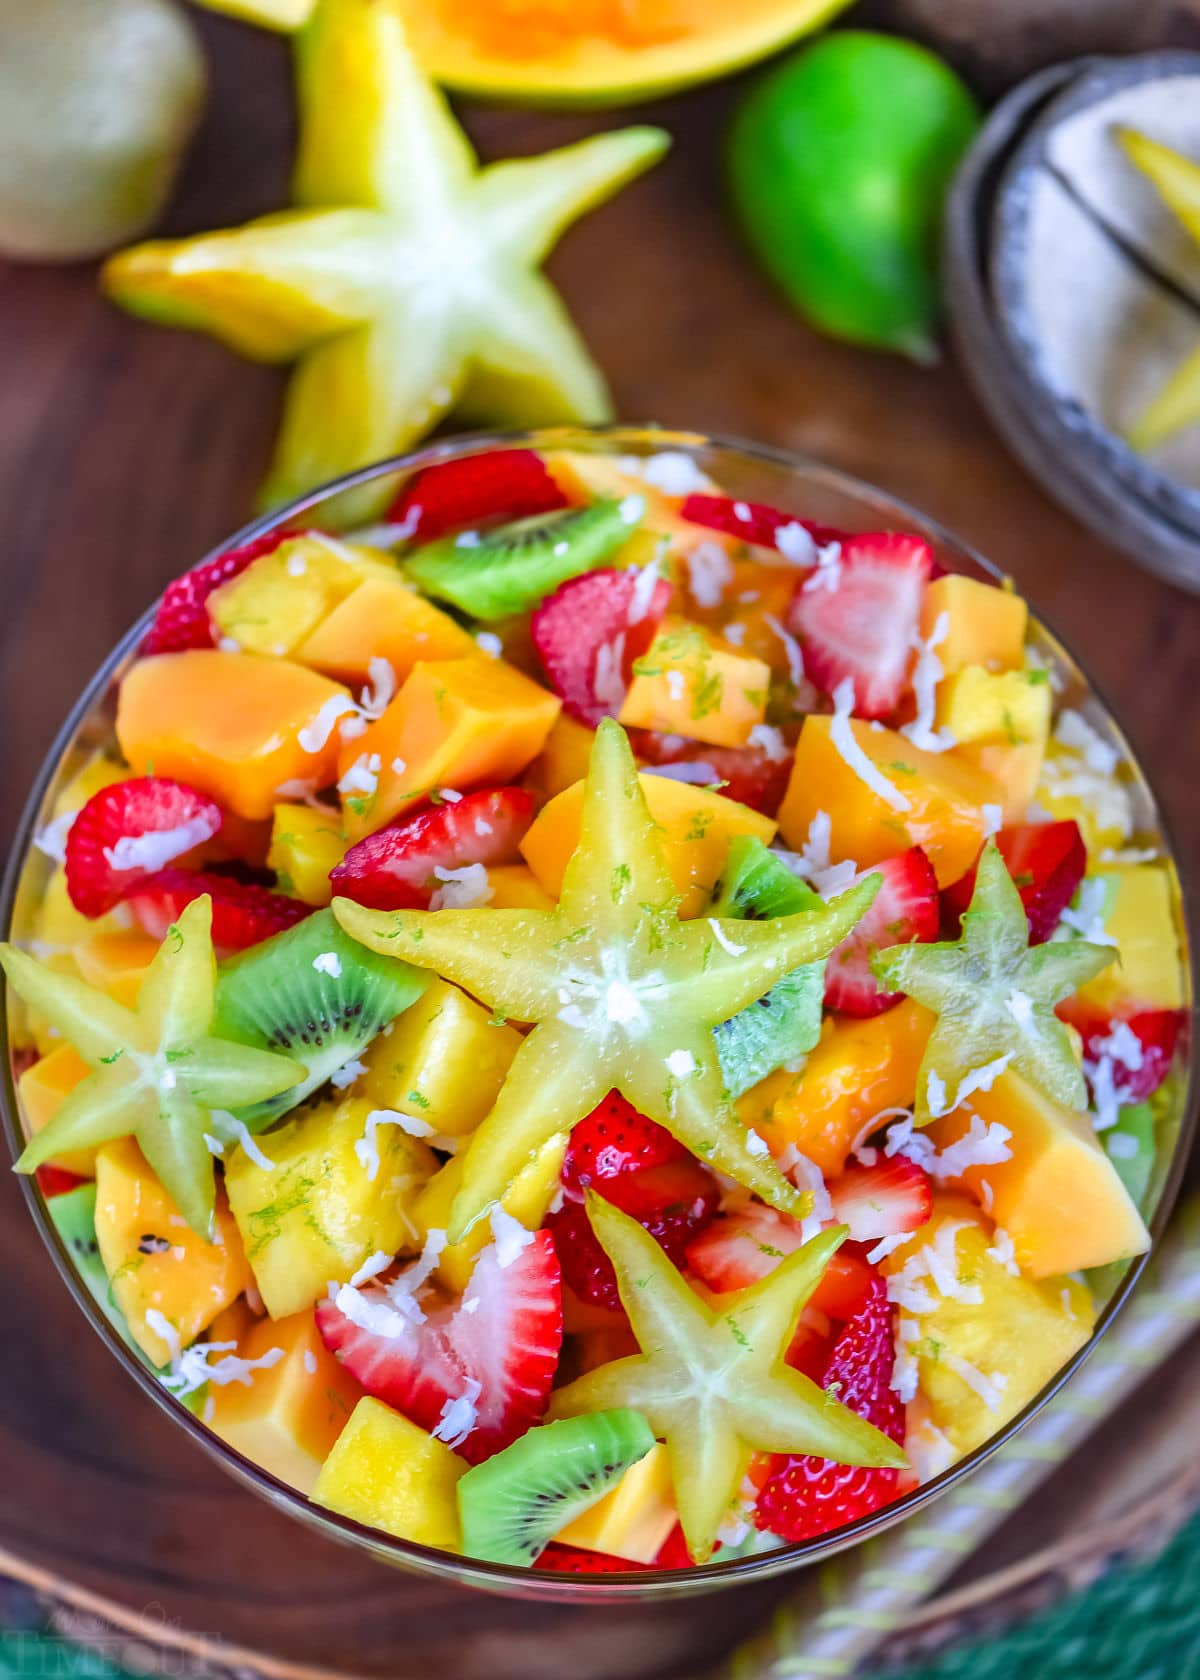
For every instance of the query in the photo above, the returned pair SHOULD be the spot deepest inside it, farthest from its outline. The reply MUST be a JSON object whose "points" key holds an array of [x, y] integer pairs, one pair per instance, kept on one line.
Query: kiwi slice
{"points": [[316, 991], [786, 1022], [509, 569], [74, 1217], [514, 1504]]}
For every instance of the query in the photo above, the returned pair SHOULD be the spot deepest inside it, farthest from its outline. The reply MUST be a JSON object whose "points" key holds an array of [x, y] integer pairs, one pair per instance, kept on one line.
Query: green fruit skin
{"points": [[839, 161]]}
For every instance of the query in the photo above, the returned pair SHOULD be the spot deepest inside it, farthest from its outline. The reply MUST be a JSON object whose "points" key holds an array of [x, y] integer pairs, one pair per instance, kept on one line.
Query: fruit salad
{"points": [[597, 1026]]}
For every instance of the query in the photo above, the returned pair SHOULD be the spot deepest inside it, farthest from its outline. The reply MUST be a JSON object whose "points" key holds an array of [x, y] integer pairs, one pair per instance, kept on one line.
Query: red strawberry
{"points": [[741, 1248], [673, 1553], [573, 1560], [863, 628], [1137, 1069], [394, 868], [804, 1496], [498, 484], [128, 832], [588, 634], [905, 911], [56, 1181], [671, 1201], [884, 1200], [753, 522], [615, 1139], [748, 774], [243, 914], [504, 1336], [1046, 860], [182, 620]]}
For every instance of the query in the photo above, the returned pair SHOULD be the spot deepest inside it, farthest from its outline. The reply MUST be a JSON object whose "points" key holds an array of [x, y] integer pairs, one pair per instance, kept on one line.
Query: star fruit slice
{"points": [[623, 994], [711, 1381], [158, 1072], [994, 996]]}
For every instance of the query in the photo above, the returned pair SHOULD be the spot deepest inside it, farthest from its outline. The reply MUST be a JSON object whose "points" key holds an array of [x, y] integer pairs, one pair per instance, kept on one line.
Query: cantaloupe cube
{"points": [[859, 1069], [282, 597], [686, 683], [1057, 1195], [116, 963], [228, 723], [41, 1091], [155, 1262], [986, 625], [1143, 916], [454, 724], [385, 1472], [527, 1198], [1011, 707], [515, 887], [945, 799], [290, 1414], [306, 843], [634, 1520], [563, 760], [383, 619], [444, 1060], [697, 826]]}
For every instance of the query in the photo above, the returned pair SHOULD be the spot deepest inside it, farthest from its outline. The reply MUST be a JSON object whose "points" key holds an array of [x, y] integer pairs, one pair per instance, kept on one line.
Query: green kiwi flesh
{"points": [[273, 997], [509, 569], [514, 1504]]}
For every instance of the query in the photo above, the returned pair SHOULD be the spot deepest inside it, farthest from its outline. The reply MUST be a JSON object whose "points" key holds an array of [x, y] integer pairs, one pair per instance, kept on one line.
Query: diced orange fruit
{"points": [[859, 1069], [116, 962], [697, 826], [515, 887], [444, 1060], [563, 760], [754, 606], [687, 683], [632, 1521], [228, 723], [289, 1415], [945, 798], [455, 723], [383, 619], [1015, 770], [986, 625], [385, 1472], [41, 1091], [282, 597]]}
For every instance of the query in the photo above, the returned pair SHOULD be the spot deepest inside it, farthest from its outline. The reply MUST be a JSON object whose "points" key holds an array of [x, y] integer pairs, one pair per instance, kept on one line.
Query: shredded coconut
{"points": [[642, 596], [461, 889], [807, 1175], [459, 1415], [1072, 729], [608, 679], [1086, 916], [449, 796], [315, 735], [310, 1362], [680, 1063], [233, 1130], [886, 1246], [828, 573], [380, 690], [363, 775], [155, 850], [710, 570], [929, 1450], [1122, 1147], [488, 642], [741, 512], [927, 674], [770, 740], [993, 819], [723, 940], [328, 962], [509, 1235], [675, 684], [51, 841], [844, 740], [670, 471], [342, 1078], [990, 1389], [796, 543], [791, 647], [631, 509], [1003, 1252], [194, 1367], [367, 1146]]}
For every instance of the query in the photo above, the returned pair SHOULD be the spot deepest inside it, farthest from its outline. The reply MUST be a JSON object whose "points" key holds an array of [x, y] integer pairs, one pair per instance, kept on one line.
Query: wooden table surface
{"points": [[125, 452]]}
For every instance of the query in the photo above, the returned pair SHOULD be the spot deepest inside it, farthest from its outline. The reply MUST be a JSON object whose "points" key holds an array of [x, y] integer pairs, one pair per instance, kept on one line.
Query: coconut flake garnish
{"points": [[694, 771], [886, 1246], [770, 740], [670, 471], [51, 841], [608, 679], [796, 543], [990, 1389], [993, 819], [842, 736], [459, 1415], [680, 1063], [630, 509], [449, 796], [675, 684], [509, 1235], [315, 735], [812, 863], [756, 1145], [930, 1451], [380, 690], [1072, 729], [193, 1368], [791, 647], [642, 596], [232, 1130], [328, 962], [905, 1371], [1087, 920], [1122, 1147], [342, 1078], [807, 1175], [710, 570], [828, 573], [1003, 1252], [723, 940], [157, 848], [488, 642], [927, 674], [363, 775], [461, 889], [1102, 794], [367, 1146]]}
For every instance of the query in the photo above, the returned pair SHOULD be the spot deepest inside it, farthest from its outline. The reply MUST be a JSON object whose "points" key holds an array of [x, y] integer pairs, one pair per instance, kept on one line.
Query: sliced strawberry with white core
{"points": [[182, 620], [862, 623], [1047, 861], [444, 850], [242, 914], [905, 911], [478, 1371], [766, 527], [739, 1249], [590, 631], [498, 484], [130, 831], [888, 1199], [1129, 1055]]}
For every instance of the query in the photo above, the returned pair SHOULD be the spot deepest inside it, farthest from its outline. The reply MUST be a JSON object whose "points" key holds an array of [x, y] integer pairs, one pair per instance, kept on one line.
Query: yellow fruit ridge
{"points": [[624, 995]]}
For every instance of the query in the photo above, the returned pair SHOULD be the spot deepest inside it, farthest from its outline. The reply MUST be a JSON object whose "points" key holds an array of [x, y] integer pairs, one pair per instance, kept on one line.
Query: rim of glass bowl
{"points": [[432, 1561]]}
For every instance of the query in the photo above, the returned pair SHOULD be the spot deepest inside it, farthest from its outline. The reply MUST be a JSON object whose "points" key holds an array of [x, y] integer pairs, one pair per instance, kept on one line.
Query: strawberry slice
{"points": [[887, 1199], [499, 1343], [182, 620], [498, 484], [573, 1560], [590, 631], [742, 1248], [905, 911], [751, 775], [128, 832], [672, 1201], [243, 914], [1140, 1047], [615, 1139], [804, 1496], [1047, 861], [57, 1181], [396, 867], [863, 628], [753, 522]]}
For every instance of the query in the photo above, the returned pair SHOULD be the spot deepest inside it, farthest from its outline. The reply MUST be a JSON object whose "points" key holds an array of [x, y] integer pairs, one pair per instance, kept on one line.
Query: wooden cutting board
{"points": [[125, 452]]}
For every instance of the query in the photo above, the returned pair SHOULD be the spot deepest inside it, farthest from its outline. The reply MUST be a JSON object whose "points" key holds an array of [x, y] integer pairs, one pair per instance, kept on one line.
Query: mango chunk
{"points": [[443, 1061], [985, 625], [387, 1473], [290, 1414], [752, 609], [859, 1069], [1011, 707], [155, 1262], [634, 1520], [991, 1339], [1015, 770], [383, 618], [281, 597], [315, 1215], [305, 845], [1142, 916], [1057, 1195], [527, 1198], [454, 724], [687, 684], [514, 886], [697, 827], [228, 723], [945, 798], [563, 760], [116, 962], [41, 1091]]}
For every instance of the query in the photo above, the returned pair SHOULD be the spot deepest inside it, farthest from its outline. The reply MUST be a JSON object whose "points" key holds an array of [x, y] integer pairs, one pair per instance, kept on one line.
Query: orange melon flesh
{"points": [[116, 963], [228, 723], [689, 684], [382, 619], [697, 827], [946, 798], [41, 1091], [1015, 770], [985, 625]]}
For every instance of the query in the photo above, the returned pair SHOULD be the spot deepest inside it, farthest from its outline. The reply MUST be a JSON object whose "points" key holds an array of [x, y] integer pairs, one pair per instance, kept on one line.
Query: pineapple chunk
{"points": [[527, 1198], [305, 845], [387, 1473], [444, 1060], [1143, 918], [317, 1213], [41, 1091], [384, 618], [1007, 706], [689, 683], [634, 1520], [281, 597]]}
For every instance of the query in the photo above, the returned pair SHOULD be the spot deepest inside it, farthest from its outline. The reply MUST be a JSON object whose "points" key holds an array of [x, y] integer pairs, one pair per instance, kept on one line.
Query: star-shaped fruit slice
{"points": [[994, 996], [624, 996], [711, 1381], [158, 1072], [406, 281]]}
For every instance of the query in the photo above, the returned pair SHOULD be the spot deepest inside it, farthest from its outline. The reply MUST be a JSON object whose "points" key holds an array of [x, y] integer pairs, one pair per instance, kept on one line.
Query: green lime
{"points": [[839, 160]]}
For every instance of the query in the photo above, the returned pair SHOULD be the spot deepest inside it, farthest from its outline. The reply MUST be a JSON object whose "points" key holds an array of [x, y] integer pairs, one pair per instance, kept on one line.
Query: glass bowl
{"points": [[752, 474]]}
